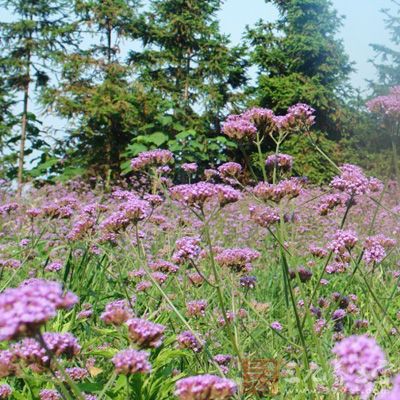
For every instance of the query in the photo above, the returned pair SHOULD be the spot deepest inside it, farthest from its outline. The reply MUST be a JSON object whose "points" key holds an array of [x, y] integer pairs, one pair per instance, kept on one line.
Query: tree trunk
{"points": [[395, 158], [24, 123]]}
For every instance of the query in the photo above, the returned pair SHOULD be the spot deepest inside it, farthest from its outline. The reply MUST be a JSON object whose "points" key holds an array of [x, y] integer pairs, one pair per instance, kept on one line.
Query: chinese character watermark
{"points": [[260, 376]]}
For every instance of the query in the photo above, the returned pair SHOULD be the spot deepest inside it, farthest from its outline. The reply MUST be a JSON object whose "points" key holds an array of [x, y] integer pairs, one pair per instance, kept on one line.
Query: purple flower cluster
{"points": [[388, 105], [164, 266], [237, 259], [196, 308], [205, 387], [132, 211], [7, 363], [186, 248], [32, 353], [358, 362], [131, 362], [145, 333], [188, 340], [223, 360], [8, 207], [343, 240], [230, 169], [5, 391], [75, 373], [151, 158], [197, 194], [353, 181], [330, 201], [264, 216], [281, 161], [25, 308], [116, 313], [190, 168], [289, 188], [239, 127], [48, 394], [375, 248]]}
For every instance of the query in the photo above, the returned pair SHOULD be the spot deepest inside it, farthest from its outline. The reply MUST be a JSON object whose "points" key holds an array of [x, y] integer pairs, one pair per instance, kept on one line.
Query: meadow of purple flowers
{"points": [[158, 291]]}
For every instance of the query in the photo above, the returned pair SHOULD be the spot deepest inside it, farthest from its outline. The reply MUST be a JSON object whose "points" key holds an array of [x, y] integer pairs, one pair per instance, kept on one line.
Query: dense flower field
{"points": [[158, 291]]}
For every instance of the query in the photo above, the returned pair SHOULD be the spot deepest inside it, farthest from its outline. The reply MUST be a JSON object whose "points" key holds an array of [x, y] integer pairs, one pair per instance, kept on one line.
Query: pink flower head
{"points": [[281, 161], [230, 169], [131, 362], [188, 340], [5, 391], [353, 181], [358, 362], [205, 387], [237, 259], [48, 394], [186, 248], [239, 127], [25, 308], [196, 308], [343, 240], [145, 333], [151, 158], [116, 313], [264, 216], [190, 168]]}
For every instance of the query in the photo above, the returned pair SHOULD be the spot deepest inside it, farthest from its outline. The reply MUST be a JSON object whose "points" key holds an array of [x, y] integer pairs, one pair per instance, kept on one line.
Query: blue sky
{"points": [[363, 25]]}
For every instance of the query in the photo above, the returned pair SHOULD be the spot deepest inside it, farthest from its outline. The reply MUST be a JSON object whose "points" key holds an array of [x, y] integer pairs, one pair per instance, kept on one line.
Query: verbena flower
{"points": [[151, 158], [25, 308], [190, 168], [131, 362], [116, 313], [187, 340], [186, 248], [230, 169], [358, 362], [353, 181], [239, 127], [145, 333], [281, 161], [264, 216], [343, 240], [237, 259], [196, 308], [5, 391], [205, 387]]}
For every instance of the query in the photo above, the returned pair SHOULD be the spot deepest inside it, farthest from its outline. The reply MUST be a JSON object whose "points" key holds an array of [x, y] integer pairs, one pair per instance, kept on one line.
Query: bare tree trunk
{"points": [[395, 159], [187, 72], [24, 123]]}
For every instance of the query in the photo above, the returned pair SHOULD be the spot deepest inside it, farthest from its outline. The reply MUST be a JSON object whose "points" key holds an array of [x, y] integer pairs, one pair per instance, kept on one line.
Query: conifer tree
{"points": [[95, 92], [387, 57], [188, 62], [32, 35], [299, 59]]}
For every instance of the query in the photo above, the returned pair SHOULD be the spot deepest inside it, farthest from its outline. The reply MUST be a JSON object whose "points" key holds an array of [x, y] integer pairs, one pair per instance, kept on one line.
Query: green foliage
{"points": [[308, 161], [31, 38], [387, 58], [188, 145], [96, 92], [299, 59]]}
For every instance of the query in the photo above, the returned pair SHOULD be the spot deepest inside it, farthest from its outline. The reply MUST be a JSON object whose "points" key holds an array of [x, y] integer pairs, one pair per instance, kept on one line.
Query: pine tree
{"points": [[7, 123], [387, 58], [95, 91], [299, 59], [36, 31], [187, 62]]}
